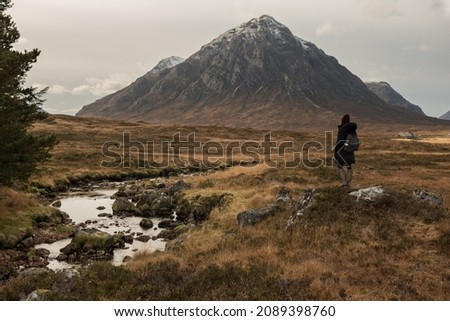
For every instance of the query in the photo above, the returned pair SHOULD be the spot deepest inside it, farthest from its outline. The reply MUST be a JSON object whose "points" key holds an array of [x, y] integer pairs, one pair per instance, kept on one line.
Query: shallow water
{"points": [[82, 208]]}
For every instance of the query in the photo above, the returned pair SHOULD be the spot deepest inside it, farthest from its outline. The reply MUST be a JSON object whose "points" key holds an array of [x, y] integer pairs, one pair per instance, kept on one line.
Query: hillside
{"points": [[391, 96], [446, 116], [256, 75]]}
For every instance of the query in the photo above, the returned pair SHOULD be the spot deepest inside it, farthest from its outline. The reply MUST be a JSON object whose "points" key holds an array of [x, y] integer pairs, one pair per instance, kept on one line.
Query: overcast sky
{"points": [[91, 48]]}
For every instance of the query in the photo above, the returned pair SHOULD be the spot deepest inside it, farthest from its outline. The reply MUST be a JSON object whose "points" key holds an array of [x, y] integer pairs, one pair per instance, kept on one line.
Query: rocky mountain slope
{"points": [[166, 63], [256, 75], [446, 116], [391, 96]]}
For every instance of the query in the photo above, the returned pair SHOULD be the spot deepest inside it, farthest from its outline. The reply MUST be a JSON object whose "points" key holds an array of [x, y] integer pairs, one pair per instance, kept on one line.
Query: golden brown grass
{"points": [[393, 249], [362, 267]]}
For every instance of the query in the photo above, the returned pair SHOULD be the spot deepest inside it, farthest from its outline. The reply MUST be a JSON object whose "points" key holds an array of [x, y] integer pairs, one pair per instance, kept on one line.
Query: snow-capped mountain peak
{"points": [[251, 29], [167, 63]]}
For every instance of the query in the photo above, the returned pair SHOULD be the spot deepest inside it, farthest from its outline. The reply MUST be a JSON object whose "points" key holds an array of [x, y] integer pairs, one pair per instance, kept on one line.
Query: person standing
{"points": [[343, 158]]}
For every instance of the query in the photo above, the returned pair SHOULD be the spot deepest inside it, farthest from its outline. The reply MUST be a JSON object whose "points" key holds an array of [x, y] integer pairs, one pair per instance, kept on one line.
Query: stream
{"points": [[83, 209]]}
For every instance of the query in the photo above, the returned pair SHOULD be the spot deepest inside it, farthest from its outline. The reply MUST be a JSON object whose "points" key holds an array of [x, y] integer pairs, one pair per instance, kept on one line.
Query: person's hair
{"points": [[345, 119]]}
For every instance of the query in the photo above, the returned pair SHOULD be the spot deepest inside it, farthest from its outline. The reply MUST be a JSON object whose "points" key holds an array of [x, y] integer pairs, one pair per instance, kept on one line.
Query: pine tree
{"points": [[20, 107]]}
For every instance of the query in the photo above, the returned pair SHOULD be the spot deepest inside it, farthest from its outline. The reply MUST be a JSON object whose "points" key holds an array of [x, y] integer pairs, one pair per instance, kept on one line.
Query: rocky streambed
{"points": [[115, 223], [100, 235]]}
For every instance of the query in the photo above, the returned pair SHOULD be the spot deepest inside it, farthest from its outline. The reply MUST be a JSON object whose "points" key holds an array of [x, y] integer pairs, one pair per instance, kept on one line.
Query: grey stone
{"points": [[43, 253], [27, 242], [301, 206], [143, 238], [368, 194], [284, 195], [253, 216], [56, 204], [165, 224], [428, 197], [124, 207], [179, 186], [146, 223], [407, 135], [166, 234], [127, 259]]}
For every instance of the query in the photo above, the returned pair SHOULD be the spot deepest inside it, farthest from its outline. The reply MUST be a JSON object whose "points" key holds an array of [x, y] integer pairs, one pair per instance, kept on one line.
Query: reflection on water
{"points": [[84, 208]]}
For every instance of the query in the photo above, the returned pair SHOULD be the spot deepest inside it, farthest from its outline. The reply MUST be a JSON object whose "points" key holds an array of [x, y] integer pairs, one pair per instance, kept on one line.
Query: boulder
{"points": [[428, 197], [301, 206], [183, 210], [202, 206], [4, 273], [105, 215], [253, 216], [143, 238], [163, 206], [284, 195], [146, 223], [127, 259], [50, 217], [177, 243], [407, 135], [92, 244], [27, 242], [147, 198], [100, 208], [128, 239], [180, 229], [165, 224], [70, 248], [166, 234], [128, 192], [179, 186], [368, 194], [61, 257], [123, 207], [56, 203], [38, 295], [200, 212], [43, 253]]}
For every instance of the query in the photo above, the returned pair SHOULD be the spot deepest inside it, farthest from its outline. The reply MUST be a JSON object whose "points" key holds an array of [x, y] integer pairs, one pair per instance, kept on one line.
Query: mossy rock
{"points": [[11, 240], [163, 206], [203, 205], [146, 223], [183, 210], [124, 207], [147, 198], [90, 240], [49, 217], [180, 229]]}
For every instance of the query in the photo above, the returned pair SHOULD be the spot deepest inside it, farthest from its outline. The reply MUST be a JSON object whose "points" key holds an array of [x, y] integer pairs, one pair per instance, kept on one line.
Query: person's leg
{"points": [[343, 173], [349, 176]]}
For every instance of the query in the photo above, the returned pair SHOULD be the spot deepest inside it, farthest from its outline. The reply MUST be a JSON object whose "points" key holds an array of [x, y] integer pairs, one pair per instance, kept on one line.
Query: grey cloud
{"points": [[438, 5], [382, 8], [85, 43]]}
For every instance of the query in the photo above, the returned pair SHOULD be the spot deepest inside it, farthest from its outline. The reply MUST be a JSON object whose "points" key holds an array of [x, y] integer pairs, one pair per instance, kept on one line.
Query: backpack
{"points": [[352, 143]]}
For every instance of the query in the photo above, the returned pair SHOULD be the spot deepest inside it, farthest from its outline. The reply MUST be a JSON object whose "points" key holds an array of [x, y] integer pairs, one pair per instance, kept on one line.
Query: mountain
{"points": [[446, 116], [256, 75], [388, 94], [167, 63]]}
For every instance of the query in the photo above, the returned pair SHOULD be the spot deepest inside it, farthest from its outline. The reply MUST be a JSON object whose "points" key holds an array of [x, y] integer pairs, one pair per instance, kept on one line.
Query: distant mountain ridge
{"points": [[446, 116], [255, 75], [384, 90]]}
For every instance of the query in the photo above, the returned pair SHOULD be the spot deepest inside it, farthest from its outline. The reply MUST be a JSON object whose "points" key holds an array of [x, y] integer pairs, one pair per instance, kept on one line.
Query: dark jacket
{"points": [[342, 157]]}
